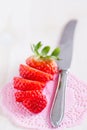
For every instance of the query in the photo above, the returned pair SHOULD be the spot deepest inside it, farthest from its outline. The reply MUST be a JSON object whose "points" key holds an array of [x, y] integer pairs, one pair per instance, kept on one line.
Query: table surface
{"points": [[29, 21]]}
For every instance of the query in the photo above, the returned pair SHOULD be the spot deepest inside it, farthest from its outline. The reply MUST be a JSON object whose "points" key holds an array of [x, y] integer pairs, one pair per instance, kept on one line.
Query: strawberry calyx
{"points": [[43, 53]]}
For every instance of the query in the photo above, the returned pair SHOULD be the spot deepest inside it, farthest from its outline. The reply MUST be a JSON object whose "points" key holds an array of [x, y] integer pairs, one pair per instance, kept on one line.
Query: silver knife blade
{"points": [[66, 46]]}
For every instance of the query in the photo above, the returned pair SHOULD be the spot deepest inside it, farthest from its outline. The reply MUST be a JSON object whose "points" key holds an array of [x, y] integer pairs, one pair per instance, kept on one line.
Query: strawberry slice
{"points": [[46, 65], [36, 103], [22, 95], [24, 84], [28, 72]]}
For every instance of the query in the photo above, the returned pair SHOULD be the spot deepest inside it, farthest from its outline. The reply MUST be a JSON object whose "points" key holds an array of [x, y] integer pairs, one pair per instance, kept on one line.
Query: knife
{"points": [[66, 47]]}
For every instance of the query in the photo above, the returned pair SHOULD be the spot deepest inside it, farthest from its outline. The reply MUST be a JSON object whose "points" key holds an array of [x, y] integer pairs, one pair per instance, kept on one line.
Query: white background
{"points": [[28, 21]]}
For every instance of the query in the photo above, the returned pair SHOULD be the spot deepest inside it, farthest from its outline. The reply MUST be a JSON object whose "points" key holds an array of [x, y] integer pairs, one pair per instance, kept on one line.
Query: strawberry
{"points": [[22, 95], [42, 61], [24, 84], [36, 103], [39, 69], [30, 73]]}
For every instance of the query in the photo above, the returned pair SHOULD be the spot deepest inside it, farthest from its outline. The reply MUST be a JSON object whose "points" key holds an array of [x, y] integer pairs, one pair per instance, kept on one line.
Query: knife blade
{"points": [[66, 47]]}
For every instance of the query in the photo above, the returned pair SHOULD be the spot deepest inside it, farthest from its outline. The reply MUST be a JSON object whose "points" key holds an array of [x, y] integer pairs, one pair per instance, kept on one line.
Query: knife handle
{"points": [[58, 106]]}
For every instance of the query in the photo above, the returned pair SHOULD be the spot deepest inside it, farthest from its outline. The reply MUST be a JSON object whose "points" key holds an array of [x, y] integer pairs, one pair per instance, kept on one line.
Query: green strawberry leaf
{"points": [[38, 46], [55, 57], [45, 50], [33, 47], [55, 52]]}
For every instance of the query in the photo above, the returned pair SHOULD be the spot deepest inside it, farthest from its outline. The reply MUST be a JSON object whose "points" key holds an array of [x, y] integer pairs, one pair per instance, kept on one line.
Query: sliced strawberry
{"points": [[24, 84], [47, 65], [40, 68], [36, 103], [22, 95], [28, 72]]}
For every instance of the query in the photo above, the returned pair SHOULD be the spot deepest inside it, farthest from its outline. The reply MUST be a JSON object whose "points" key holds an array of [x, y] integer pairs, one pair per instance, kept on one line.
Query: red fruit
{"points": [[28, 72], [40, 68], [46, 65], [22, 95], [36, 103], [24, 84]]}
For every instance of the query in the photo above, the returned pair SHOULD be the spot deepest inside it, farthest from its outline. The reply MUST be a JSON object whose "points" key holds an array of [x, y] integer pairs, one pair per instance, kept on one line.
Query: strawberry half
{"points": [[22, 95], [24, 84], [30, 73], [36, 103]]}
